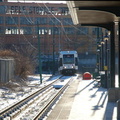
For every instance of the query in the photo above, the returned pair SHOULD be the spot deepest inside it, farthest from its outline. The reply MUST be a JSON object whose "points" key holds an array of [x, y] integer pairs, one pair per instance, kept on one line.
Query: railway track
{"points": [[43, 99], [50, 104], [12, 110]]}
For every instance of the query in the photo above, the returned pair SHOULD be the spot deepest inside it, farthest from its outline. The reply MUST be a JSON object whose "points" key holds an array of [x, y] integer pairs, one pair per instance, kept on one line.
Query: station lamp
{"points": [[106, 37], [102, 43]]}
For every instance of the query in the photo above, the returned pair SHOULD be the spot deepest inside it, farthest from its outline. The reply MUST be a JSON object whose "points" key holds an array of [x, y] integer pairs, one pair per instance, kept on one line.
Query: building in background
{"points": [[19, 24]]}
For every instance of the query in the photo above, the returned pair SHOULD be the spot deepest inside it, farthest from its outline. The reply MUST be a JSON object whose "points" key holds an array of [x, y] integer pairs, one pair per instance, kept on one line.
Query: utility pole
{"points": [[59, 40], [39, 52], [53, 31]]}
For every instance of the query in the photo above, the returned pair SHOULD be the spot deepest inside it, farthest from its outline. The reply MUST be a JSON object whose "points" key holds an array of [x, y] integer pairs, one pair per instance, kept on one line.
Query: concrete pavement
{"points": [[84, 100]]}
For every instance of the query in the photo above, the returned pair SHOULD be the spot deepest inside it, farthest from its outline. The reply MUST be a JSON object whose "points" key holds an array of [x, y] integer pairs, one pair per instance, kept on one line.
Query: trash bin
{"points": [[87, 76]]}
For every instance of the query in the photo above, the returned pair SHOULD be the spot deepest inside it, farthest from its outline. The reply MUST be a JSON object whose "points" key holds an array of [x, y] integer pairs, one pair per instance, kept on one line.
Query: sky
{"points": [[37, 1]]}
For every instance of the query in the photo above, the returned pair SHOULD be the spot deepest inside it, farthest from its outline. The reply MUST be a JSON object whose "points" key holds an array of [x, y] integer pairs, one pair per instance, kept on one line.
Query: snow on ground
{"points": [[8, 97]]}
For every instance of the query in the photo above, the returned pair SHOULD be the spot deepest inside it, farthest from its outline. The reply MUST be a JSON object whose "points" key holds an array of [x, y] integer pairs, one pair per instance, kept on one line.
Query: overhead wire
{"points": [[89, 36], [67, 23], [57, 20], [31, 22], [21, 32], [51, 20], [48, 15], [80, 30]]}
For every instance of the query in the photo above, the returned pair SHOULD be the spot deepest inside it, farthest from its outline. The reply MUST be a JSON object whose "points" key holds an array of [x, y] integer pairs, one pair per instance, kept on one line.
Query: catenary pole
{"points": [[39, 52]]}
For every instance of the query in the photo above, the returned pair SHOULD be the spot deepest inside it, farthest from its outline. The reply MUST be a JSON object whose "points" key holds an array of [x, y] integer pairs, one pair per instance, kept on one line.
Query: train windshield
{"points": [[68, 59]]}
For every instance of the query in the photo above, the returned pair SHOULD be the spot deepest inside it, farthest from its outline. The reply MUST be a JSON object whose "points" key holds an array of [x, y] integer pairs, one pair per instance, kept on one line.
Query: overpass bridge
{"points": [[102, 14]]}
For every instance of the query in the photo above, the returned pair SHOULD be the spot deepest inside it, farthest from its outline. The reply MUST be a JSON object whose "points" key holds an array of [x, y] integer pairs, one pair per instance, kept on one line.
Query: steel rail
{"points": [[11, 109], [42, 112]]}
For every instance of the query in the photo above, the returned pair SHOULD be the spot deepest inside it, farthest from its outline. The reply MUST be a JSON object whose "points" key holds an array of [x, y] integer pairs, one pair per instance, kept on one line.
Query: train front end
{"points": [[68, 62]]}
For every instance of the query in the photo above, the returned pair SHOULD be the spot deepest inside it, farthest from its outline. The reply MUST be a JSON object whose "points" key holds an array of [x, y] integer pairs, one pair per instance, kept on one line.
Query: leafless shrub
{"points": [[23, 65]]}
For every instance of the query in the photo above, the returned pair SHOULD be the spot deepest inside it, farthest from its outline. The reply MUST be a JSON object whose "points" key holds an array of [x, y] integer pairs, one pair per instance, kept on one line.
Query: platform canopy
{"points": [[94, 12]]}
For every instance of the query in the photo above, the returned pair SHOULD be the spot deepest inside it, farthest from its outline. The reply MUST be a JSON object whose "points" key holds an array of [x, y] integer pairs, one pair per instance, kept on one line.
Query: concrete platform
{"points": [[84, 100]]}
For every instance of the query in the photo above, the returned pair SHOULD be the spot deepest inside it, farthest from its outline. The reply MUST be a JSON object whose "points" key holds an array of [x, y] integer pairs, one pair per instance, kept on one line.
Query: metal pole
{"points": [[112, 57], [39, 52], [119, 53], [106, 67], [108, 64], [102, 54], [102, 63], [59, 41], [53, 52], [97, 52], [99, 57]]}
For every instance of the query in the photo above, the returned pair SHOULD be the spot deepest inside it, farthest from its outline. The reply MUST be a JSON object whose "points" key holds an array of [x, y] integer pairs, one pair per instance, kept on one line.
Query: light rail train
{"points": [[68, 62]]}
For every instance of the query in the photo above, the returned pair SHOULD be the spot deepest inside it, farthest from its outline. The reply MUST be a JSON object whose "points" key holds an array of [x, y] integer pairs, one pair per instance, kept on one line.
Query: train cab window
{"points": [[68, 59], [60, 62], [76, 61]]}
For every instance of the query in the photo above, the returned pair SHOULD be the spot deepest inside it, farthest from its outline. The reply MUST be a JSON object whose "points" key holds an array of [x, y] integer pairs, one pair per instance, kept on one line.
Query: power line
{"points": [[21, 32], [68, 23], [68, 39]]}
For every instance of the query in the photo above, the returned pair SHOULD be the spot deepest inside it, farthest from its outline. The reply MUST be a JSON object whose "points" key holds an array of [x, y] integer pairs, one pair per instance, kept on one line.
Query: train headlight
{"points": [[72, 66], [64, 67]]}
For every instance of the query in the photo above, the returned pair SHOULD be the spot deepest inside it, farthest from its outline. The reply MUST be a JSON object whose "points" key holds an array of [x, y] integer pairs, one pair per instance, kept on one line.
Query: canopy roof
{"points": [[94, 12]]}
